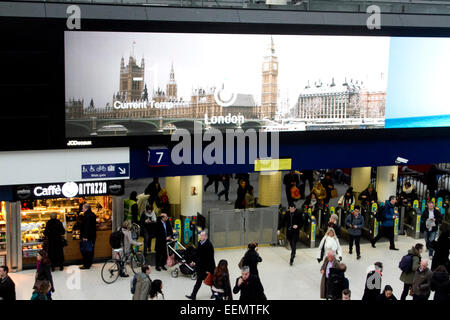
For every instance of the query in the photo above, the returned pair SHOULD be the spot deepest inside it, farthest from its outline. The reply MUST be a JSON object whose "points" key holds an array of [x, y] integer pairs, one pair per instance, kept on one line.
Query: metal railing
{"points": [[237, 228]]}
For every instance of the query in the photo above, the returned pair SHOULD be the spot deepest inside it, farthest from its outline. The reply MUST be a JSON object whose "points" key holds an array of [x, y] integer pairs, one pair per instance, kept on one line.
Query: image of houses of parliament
{"points": [[133, 89], [347, 102]]}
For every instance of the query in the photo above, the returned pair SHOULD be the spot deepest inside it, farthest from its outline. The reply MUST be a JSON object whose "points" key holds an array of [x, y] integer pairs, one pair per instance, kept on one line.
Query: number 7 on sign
{"points": [[160, 156], [157, 157]]}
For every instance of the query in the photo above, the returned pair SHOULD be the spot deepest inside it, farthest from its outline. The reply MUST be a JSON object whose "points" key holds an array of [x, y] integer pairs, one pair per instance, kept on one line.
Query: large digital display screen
{"points": [[121, 83]]}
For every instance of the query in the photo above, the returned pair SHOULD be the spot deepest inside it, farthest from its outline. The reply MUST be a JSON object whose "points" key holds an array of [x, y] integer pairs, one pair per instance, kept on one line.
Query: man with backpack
{"points": [[408, 265], [387, 217]]}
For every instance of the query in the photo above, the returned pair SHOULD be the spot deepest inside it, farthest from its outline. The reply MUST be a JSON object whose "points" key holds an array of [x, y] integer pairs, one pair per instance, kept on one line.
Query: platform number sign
{"points": [[157, 157]]}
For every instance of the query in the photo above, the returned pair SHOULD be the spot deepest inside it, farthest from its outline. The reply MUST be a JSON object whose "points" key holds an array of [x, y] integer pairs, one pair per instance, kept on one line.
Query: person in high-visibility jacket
{"points": [[130, 208]]}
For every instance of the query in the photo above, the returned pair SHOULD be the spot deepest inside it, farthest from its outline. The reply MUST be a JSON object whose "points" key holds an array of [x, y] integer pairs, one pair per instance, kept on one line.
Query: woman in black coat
{"points": [[440, 283], [44, 270], [54, 231], [241, 191], [441, 250], [251, 258]]}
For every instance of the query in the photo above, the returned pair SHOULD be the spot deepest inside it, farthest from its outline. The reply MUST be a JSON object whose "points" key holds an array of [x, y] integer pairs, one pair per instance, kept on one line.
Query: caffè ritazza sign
{"points": [[119, 105]]}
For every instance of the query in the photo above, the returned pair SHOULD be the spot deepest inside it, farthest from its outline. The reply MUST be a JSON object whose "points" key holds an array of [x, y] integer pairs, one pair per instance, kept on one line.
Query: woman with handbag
{"points": [[220, 282], [252, 258], [54, 234], [329, 243], [43, 271]]}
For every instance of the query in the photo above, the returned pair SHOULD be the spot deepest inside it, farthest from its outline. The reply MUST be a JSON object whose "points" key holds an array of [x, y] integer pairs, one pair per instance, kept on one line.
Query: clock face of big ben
{"points": [[275, 66], [266, 66]]}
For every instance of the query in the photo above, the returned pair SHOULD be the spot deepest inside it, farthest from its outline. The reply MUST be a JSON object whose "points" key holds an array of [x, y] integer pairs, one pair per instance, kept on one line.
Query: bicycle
{"points": [[112, 268]]}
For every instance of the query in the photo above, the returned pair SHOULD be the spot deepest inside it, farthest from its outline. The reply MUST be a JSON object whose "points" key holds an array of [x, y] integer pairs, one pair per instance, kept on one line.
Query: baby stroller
{"points": [[183, 259]]}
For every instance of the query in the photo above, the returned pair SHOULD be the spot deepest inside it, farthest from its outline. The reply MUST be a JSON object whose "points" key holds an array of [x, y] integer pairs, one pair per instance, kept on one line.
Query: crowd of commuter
{"points": [[151, 209]]}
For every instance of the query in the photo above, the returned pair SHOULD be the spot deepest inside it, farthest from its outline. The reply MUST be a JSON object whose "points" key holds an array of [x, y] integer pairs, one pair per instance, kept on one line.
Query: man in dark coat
{"points": [[250, 287], [54, 232], [212, 178], [441, 249], [368, 196], [163, 233], [372, 288], [293, 221], [204, 264], [440, 283], [153, 190], [7, 286], [225, 179], [88, 232], [290, 180]]}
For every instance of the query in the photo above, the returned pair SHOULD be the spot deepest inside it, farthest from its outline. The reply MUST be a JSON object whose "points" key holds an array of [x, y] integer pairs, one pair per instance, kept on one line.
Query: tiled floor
{"points": [[281, 281]]}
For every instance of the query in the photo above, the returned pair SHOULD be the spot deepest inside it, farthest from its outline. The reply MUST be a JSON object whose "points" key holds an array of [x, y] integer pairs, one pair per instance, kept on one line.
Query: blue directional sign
{"points": [[157, 157], [107, 170]]}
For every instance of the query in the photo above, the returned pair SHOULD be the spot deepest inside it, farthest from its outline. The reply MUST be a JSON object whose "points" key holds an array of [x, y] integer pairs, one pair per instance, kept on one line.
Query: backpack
{"points": [[116, 239], [133, 284], [335, 286], [379, 215], [295, 193], [406, 263]]}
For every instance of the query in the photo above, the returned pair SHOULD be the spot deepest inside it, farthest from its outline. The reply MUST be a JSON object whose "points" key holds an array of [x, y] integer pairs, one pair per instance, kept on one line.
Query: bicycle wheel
{"points": [[137, 260], [110, 271]]}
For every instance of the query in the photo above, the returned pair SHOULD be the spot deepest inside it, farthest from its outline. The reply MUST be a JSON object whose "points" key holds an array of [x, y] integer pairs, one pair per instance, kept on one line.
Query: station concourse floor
{"points": [[280, 280]]}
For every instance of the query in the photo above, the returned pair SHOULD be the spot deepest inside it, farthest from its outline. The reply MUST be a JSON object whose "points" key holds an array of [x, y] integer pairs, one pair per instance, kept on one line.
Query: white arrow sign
{"points": [[122, 170]]}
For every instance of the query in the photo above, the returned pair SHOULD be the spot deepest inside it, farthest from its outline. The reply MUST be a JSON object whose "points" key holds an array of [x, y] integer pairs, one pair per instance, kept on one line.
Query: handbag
{"points": [[86, 246], [209, 280], [295, 193], [170, 260]]}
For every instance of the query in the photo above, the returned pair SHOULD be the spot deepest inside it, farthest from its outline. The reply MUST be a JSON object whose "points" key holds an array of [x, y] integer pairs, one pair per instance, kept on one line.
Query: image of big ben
{"points": [[269, 92]]}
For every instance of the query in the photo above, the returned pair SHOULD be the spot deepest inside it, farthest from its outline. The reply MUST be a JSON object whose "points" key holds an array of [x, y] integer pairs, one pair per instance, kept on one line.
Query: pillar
{"points": [[172, 185], [191, 203], [269, 188], [386, 182], [360, 179]]}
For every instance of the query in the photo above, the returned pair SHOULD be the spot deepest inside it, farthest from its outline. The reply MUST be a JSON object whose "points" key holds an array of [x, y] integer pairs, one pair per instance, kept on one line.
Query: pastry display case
{"points": [[35, 214]]}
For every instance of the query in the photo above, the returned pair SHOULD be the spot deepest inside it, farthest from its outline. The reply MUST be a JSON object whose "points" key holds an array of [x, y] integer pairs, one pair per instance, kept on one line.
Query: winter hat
{"points": [[335, 217], [349, 190]]}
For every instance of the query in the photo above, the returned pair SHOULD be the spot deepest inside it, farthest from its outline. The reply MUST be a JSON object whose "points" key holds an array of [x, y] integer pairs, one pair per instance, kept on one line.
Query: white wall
{"points": [[191, 204], [27, 167], [386, 187]]}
